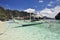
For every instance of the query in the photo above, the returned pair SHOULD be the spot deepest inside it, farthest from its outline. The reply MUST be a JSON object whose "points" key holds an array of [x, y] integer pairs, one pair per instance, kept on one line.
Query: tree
{"points": [[2, 13]]}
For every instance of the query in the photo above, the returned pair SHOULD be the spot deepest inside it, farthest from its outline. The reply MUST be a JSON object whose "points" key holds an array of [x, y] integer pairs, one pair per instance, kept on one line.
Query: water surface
{"points": [[43, 31]]}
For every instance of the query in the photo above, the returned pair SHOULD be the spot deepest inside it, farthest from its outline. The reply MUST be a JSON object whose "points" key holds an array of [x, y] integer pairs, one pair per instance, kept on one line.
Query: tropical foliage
{"points": [[7, 14]]}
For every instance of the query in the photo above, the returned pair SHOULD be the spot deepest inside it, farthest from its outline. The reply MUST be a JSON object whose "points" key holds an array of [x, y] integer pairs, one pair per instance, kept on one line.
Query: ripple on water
{"points": [[35, 32]]}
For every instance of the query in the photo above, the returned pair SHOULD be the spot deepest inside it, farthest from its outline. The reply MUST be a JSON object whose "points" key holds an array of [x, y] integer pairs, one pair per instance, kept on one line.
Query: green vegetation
{"points": [[6, 14]]}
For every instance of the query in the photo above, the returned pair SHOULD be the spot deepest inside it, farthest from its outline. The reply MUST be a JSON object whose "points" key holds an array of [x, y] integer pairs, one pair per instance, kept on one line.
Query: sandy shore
{"points": [[2, 26]]}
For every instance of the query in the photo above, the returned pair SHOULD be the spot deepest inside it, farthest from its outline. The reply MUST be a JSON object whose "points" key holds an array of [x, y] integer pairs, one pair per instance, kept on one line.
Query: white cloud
{"points": [[50, 12], [41, 1], [57, 9], [50, 3], [30, 10], [45, 12]]}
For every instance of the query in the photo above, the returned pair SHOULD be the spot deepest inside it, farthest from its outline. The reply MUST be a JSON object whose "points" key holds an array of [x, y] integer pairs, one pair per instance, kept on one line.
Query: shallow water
{"points": [[43, 31]]}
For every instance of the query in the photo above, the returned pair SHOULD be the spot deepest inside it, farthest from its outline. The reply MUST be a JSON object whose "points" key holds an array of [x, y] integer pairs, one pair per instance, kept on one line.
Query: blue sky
{"points": [[25, 4]]}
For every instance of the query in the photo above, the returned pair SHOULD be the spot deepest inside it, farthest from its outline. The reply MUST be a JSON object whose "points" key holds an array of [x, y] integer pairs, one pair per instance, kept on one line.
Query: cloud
{"points": [[30, 10], [52, 12], [50, 3], [8, 7], [57, 9], [40, 1], [49, 12]]}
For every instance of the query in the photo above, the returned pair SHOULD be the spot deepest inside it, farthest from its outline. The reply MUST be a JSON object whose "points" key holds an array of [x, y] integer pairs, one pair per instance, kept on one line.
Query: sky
{"points": [[28, 5], [25, 4]]}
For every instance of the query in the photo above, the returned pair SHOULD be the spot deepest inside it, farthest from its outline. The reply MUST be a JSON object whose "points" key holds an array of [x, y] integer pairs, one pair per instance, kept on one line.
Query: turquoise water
{"points": [[43, 31]]}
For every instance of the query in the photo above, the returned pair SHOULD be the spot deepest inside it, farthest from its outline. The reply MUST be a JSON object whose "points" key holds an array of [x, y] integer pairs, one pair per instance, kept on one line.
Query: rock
{"points": [[57, 16]]}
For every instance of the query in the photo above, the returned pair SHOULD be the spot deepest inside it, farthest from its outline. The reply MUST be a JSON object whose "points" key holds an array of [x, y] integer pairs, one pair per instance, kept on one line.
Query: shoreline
{"points": [[2, 26]]}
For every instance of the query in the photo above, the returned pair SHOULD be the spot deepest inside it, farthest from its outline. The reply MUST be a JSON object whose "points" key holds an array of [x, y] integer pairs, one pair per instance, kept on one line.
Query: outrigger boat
{"points": [[27, 22]]}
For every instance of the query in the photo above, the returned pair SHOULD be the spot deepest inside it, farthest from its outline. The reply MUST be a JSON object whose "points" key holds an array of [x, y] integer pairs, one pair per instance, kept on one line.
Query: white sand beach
{"points": [[2, 26]]}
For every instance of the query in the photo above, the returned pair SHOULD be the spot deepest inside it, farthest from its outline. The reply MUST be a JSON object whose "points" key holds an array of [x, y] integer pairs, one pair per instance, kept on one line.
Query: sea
{"points": [[21, 30]]}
